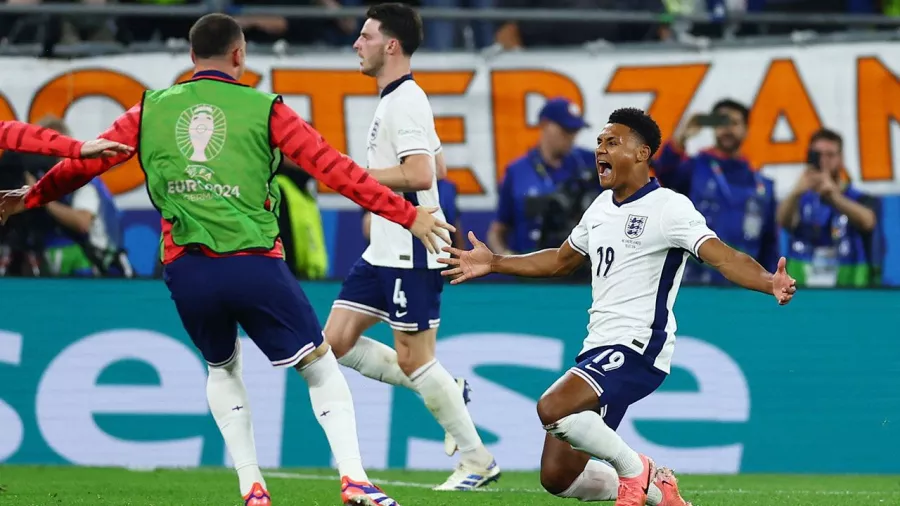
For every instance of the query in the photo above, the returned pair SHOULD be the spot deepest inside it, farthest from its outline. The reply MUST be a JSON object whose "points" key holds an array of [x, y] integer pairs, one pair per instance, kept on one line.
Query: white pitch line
{"points": [[737, 491]]}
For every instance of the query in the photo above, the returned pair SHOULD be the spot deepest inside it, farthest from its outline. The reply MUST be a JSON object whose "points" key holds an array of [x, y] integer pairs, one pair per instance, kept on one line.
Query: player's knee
{"points": [[339, 338], [411, 362], [414, 350], [551, 409], [555, 479]]}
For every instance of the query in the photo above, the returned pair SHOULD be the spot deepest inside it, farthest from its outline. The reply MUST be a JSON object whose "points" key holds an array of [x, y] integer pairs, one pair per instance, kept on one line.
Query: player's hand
{"points": [[467, 264], [102, 147], [783, 285], [12, 202], [428, 229]]}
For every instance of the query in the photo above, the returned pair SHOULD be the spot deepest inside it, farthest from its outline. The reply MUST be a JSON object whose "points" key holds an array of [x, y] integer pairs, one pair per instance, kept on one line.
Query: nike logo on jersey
{"points": [[595, 226], [398, 314]]}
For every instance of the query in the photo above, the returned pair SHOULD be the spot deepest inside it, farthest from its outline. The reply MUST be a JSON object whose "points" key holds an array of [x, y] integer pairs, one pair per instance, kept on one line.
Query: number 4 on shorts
{"points": [[399, 296]]}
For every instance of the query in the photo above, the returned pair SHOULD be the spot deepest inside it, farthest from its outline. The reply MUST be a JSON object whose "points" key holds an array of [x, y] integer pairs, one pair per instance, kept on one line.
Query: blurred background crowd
{"points": [[831, 231], [705, 18]]}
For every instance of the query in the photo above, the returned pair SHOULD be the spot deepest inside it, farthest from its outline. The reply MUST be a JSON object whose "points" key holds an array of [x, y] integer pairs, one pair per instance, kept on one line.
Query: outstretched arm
{"points": [[304, 146], [69, 175], [480, 261], [685, 228], [35, 139], [741, 269]]}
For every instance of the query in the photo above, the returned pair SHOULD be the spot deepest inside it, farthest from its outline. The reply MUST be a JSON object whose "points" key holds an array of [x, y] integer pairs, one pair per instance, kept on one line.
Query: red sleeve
{"points": [[28, 138], [303, 145], [70, 174]]}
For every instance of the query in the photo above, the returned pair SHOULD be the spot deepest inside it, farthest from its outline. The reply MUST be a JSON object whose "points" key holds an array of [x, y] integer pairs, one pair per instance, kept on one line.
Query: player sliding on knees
{"points": [[637, 237], [396, 280], [224, 262]]}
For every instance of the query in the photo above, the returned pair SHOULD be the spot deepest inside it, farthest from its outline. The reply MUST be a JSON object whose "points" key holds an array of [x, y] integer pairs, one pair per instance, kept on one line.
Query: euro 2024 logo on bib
{"points": [[200, 132]]}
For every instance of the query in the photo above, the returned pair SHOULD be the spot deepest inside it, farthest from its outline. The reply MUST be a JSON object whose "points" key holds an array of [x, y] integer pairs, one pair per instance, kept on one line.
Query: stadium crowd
{"points": [[825, 226], [439, 34]]}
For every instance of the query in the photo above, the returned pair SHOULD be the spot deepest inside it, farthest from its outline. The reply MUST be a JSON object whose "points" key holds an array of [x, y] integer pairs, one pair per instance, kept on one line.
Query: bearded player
{"points": [[396, 280], [637, 237], [209, 148]]}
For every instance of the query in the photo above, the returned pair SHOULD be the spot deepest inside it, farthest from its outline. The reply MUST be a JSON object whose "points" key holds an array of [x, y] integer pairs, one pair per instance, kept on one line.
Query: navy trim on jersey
{"points": [[215, 74], [674, 260], [419, 253], [393, 85], [647, 188]]}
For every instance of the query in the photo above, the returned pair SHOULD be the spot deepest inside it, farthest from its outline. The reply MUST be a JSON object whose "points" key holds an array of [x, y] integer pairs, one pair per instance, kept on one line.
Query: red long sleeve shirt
{"points": [[28, 138], [297, 140]]}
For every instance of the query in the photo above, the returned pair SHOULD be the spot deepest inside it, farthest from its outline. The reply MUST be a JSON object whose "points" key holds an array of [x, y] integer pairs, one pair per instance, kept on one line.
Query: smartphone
{"points": [[812, 159], [713, 120]]}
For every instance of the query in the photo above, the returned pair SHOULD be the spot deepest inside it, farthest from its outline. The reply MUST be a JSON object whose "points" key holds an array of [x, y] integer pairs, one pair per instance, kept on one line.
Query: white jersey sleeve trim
{"points": [[575, 247], [700, 241], [409, 152]]}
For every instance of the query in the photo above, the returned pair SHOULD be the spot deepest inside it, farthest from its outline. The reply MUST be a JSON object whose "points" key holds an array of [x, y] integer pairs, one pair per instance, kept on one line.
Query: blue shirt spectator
{"points": [[539, 172], [834, 238], [737, 201]]}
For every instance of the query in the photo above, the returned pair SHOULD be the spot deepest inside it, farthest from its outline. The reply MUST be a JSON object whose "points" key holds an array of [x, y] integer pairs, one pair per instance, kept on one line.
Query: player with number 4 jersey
{"points": [[397, 281], [637, 237]]}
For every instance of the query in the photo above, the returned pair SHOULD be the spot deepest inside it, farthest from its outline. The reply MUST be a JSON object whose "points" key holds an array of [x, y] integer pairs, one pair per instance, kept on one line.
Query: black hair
{"points": [[825, 134], [401, 22], [733, 105], [641, 124], [214, 35]]}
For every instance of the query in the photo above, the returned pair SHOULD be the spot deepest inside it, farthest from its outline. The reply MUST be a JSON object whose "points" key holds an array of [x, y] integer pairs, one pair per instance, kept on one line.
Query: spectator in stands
{"points": [[56, 29], [441, 35], [542, 171], [515, 35], [268, 29], [85, 237], [737, 201], [146, 28], [831, 224]]}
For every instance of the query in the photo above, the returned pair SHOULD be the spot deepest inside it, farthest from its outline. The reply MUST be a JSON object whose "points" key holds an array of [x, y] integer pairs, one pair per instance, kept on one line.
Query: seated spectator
{"points": [[737, 201], [831, 224], [301, 31], [543, 171], [515, 35], [147, 28]]}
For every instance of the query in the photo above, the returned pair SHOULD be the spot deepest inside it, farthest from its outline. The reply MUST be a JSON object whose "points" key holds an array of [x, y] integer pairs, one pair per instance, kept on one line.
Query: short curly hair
{"points": [[640, 123]]}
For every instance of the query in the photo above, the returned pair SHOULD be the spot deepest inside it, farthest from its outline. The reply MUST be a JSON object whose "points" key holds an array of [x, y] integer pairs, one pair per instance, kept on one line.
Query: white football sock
{"points": [[442, 397], [333, 406], [587, 432], [376, 360], [230, 408], [599, 482]]}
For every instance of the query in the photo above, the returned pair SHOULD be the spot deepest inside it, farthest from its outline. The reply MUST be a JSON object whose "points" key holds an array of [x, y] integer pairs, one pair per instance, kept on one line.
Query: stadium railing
{"points": [[857, 26]]}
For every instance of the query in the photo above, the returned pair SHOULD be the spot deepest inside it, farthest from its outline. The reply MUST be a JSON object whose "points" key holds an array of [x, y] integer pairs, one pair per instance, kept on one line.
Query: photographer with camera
{"points": [[79, 235], [832, 225], [736, 200], [544, 193]]}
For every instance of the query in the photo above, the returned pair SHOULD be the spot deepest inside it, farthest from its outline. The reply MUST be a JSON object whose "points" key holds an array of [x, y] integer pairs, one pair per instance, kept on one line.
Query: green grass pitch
{"points": [[58, 486]]}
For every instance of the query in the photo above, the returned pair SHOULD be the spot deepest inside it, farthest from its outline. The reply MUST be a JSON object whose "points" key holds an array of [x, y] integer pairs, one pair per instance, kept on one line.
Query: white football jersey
{"points": [[638, 249], [403, 126]]}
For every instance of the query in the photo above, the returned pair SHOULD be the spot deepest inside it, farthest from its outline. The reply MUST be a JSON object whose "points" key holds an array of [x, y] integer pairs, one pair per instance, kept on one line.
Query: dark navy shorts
{"points": [[215, 295], [409, 300], [620, 376]]}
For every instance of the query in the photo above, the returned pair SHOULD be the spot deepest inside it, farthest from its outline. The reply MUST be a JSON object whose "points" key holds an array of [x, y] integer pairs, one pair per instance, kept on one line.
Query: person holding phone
{"points": [[833, 227], [737, 201]]}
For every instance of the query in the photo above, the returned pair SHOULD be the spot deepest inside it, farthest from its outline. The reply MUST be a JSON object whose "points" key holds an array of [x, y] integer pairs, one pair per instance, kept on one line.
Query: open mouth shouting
{"points": [[604, 168]]}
